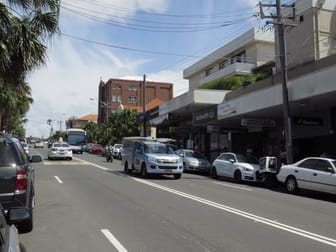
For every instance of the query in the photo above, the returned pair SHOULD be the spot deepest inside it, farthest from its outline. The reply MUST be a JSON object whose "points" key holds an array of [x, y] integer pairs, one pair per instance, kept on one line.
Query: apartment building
{"points": [[238, 57], [121, 93]]}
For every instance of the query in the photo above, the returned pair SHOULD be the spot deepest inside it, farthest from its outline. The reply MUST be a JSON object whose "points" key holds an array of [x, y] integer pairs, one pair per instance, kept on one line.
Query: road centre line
{"points": [[58, 179], [256, 218], [238, 187], [113, 240]]}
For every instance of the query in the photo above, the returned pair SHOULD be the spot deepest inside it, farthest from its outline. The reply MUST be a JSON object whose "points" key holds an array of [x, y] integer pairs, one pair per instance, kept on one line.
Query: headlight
{"points": [[179, 160], [152, 159], [193, 162], [247, 168]]}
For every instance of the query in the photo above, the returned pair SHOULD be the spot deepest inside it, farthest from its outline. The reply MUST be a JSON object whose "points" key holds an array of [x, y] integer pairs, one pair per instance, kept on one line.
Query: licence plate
{"points": [[168, 170]]}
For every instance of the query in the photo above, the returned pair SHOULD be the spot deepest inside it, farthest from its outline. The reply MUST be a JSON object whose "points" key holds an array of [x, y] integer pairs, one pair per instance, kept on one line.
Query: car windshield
{"points": [[158, 149], [247, 159], [194, 154]]}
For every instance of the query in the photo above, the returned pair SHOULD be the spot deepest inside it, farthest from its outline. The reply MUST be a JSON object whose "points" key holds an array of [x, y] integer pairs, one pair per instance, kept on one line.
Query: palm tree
{"points": [[25, 27]]}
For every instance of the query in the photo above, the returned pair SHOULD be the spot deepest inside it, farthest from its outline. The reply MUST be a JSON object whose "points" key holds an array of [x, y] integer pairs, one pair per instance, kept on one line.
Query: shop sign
{"points": [[204, 116], [225, 109], [308, 121], [255, 122]]}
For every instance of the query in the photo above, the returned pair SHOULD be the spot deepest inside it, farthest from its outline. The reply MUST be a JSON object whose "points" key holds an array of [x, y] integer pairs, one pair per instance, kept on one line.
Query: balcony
{"points": [[237, 68]]}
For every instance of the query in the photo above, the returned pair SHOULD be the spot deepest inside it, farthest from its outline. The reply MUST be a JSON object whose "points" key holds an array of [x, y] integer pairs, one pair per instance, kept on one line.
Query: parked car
{"points": [[9, 233], [194, 161], [60, 150], [97, 149], [17, 178], [236, 166], [312, 173], [116, 150]]}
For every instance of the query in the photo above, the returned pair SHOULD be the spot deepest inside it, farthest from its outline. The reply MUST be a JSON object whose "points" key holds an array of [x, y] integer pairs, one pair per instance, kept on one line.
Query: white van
{"points": [[150, 157]]}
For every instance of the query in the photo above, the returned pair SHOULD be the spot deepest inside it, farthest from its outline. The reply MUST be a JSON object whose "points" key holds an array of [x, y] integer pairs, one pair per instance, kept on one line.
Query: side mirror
{"points": [[17, 214], [231, 160], [36, 159], [330, 169]]}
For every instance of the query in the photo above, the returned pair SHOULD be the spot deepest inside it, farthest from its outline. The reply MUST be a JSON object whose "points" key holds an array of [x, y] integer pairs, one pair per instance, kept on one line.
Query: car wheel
{"points": [[213, 172], [291, 184], [237, 176], [177, 176], [144, 173]]}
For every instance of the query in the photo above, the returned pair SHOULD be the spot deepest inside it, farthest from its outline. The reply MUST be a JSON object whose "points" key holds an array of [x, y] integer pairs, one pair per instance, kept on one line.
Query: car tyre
{"points": [[237, 176], [177, 176], [291, 184], [213, 172], [144, 173]]}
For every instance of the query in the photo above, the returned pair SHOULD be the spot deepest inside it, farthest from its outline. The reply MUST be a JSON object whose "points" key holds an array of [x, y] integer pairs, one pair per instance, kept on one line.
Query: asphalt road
{"points": [[88, 204]]}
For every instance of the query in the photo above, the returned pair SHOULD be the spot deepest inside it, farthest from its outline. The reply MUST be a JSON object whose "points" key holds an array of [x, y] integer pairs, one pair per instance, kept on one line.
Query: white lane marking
{"points": [[259, 219], [238, 187], [113, 240], [269, 222], [58, 179]]}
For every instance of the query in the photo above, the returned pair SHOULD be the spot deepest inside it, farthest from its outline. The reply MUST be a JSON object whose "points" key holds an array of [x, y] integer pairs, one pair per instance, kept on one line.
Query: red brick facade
{"points": [[130, 94]]}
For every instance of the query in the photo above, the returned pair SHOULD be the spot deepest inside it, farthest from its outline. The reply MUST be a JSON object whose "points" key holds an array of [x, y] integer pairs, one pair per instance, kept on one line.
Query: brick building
{"points": [[129, 94]]}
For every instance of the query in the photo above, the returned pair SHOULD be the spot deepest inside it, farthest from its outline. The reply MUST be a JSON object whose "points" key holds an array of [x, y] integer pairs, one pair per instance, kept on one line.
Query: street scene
{"points": [[166, 125]]}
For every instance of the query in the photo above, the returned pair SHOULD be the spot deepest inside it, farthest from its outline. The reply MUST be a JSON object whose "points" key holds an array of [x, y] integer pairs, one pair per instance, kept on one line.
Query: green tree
{"points": [[25, 27]]}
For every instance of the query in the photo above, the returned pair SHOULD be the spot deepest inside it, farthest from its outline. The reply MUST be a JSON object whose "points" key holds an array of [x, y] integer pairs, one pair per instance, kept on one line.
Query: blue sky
{"points": [[160, 38]]}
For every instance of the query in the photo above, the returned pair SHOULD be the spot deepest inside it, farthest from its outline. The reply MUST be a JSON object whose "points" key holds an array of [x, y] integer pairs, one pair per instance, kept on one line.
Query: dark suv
{"points": [[16, 178]]}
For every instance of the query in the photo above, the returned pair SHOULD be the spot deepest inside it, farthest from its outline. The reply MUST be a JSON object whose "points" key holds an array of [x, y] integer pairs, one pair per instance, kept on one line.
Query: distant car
{"points": [[116, 151], [97, 149], [60, 150], [38, 144], [9, 233], [312, 173], [194, 161], [17, 179], [50, 142], [236, 166]]}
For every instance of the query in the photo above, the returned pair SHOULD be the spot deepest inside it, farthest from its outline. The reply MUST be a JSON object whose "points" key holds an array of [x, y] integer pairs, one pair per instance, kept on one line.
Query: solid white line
{"points": [[238, 187], [58, 179], [269, 222], [113, 240]]}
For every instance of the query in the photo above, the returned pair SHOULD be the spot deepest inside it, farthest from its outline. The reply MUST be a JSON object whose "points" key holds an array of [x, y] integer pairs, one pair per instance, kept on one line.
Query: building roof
{"points": [[89, 117], [128, 81], [150, 105]]}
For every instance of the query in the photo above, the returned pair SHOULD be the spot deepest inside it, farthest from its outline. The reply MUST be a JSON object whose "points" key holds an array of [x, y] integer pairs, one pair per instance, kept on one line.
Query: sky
{"points": [[103, 39]]}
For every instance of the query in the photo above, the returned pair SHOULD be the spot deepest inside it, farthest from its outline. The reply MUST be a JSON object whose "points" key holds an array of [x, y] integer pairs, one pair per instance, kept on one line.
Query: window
{"points": [[308, 164], [323, 165], [240, 57], [119, 98], [222, 64], [129, 99], [134, 99], [114, 98], [208, 71]]}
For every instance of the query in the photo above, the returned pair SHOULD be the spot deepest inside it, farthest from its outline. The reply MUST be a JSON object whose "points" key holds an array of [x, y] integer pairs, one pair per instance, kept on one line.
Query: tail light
{"points": [[21, 181]]}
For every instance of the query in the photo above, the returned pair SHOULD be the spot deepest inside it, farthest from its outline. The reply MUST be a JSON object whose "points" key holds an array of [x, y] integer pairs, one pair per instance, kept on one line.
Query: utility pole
{"points": [[144, 104], [280, 24]]}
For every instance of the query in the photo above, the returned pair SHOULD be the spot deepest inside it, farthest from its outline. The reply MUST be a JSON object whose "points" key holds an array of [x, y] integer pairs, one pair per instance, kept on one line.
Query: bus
{"points": [[76, 138]]}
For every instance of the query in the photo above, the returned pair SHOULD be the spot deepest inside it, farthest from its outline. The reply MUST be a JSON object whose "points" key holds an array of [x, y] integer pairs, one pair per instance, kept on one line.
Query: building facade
{"points": [[120, 93]]}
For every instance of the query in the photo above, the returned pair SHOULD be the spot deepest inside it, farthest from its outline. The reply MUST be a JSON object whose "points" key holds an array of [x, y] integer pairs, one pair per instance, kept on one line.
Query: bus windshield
{"points": [[76, 138]]}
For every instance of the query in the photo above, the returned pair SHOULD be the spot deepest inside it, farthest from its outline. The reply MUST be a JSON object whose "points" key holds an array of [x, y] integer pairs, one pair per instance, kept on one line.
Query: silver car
{"points": [[194, 161], [60, 150], [236, 166]]}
